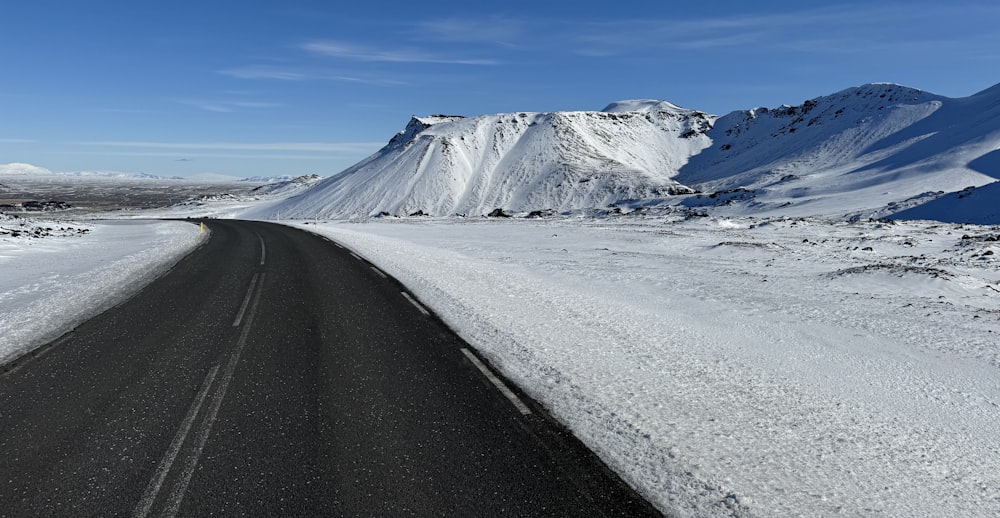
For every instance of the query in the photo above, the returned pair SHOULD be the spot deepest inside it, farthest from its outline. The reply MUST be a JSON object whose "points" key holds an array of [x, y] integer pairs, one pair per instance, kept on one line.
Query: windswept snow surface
{"points": [[746, 367], [58, 276]]}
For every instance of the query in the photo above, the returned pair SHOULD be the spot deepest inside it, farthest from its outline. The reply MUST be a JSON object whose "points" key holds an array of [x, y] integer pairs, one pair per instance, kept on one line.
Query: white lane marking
{"points": [[416, 304], [380, 272], [153, 489], [180, 486], [521, 407], [246, 301], [354, 255], [263, 250]]}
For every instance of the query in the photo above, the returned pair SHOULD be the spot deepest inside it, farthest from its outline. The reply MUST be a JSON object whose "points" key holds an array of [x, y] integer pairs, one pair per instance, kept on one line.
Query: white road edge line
{"points": [[153, 489], [180, 486], [521, 407], [380, 272], [416, 304], [246, 301], [356, 256], [263, 251]]}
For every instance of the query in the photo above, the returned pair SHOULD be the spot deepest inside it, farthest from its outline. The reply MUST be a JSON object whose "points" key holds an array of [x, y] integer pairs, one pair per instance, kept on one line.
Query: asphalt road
{"points": [[273, 373]]}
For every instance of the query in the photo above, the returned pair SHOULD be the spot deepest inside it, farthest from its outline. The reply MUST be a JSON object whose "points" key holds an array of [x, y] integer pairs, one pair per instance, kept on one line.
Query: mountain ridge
{"points": [[447, 165], [865, 151]]}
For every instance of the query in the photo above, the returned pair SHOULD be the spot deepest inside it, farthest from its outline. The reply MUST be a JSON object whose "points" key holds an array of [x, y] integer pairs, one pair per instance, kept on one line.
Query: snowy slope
{"points": [[443, 165], [854, 151], [978, 206], [866, 151], [287, 186]]}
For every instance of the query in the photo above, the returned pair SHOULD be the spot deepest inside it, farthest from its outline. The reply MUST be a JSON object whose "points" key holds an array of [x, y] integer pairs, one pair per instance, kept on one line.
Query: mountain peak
{"points": [[417, 125], [19, 168], [644, 106]]}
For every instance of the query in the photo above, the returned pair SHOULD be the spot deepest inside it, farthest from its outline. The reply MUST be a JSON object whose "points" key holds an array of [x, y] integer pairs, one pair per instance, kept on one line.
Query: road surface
{"points": [[273, 373]]}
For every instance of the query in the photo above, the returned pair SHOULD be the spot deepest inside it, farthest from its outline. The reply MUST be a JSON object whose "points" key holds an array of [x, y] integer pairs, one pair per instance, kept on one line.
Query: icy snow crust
{"points": [[52, 280], [742, 367]]}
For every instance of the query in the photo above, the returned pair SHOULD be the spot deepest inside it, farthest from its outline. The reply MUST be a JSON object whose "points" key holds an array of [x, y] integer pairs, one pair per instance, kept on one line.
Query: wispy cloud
{"points": [[293, 74], [344, 50], [227, 106], [323, 147], [263, 72], [839, 29], [221, 154], [831, 29]]}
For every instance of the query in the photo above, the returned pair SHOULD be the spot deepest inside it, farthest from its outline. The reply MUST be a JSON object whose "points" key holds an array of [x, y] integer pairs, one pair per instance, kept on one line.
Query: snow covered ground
{"points": [[780, 367], [724, 366], [56, 274]]}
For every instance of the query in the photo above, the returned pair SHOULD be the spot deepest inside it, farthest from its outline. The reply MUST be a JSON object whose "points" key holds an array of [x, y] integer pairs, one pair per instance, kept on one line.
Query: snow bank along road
{"points": [[736, 367], [57, 274], [272, 373]]}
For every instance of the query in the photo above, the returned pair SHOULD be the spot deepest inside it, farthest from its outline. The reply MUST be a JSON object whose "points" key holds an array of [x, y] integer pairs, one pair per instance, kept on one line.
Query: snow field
{"points": [[49, 285], [745, 367]]}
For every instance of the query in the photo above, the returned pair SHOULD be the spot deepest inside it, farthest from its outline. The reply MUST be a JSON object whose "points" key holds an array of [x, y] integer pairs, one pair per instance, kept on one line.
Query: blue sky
{"points": [[292, 87]]}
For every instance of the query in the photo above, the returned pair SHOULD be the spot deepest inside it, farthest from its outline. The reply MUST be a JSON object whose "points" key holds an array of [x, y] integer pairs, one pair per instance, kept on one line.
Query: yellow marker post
{"points": [[201, 228]]}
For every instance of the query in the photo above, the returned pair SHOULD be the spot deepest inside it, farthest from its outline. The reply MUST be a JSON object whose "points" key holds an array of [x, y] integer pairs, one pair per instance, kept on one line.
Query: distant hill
{"points": [[19, 169], [28, 170], [267, 179]]}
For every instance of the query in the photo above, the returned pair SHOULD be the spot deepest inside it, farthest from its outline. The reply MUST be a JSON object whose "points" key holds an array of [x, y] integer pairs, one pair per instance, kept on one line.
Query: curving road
{"points": [[273, 373]]}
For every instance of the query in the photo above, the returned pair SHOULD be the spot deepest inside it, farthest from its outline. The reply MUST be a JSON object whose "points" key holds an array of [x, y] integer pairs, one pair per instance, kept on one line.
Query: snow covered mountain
{"points": [[443, 165], [19, 169], [867, 151], [875, 148]]}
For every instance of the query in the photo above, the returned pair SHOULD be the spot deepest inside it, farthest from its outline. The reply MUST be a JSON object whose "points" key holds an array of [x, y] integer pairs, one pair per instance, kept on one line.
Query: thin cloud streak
{"points": [[228, 106], [322, 147], [192, 157], [287, 74], [837, 29], [262, 72], [336, 49]]}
